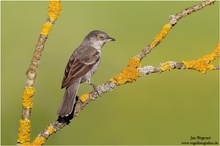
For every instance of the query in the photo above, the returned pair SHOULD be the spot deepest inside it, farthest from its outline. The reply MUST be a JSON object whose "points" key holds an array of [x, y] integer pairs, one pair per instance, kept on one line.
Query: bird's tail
{"points": [[66, 106]]}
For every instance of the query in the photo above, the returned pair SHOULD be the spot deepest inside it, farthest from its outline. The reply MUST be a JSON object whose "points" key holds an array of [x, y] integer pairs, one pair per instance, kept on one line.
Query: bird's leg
{"points": [[94, 87]]}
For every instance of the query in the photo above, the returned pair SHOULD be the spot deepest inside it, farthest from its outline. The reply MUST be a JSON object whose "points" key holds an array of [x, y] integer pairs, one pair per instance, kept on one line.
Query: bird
{"points": [[81, 66]]}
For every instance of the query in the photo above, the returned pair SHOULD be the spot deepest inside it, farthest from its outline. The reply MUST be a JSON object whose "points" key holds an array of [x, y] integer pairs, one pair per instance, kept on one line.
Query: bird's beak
{"points": [[110, 39]]}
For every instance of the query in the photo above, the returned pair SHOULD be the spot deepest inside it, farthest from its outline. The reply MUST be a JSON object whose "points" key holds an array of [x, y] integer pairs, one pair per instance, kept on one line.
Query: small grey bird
{"points": [[81, 66]]}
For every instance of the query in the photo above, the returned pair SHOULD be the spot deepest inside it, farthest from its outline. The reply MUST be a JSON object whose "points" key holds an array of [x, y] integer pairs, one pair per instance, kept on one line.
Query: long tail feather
{"points": [[66, 106]]}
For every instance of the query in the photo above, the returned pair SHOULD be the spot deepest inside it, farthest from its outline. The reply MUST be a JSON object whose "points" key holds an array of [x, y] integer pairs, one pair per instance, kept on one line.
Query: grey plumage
{"points": [[81, 66]]}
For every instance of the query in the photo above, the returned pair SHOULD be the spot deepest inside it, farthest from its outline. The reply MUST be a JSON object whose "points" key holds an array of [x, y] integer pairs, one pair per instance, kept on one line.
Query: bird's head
{"points": [[98, 38]]}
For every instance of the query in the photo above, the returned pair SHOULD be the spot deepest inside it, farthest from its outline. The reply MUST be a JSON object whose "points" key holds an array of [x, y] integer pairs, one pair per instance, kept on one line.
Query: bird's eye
{"points": [[99, 36]]}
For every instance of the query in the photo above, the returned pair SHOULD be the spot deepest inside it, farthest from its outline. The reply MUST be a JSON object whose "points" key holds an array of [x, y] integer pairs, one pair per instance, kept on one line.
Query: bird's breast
{"points": [[90, 73]]}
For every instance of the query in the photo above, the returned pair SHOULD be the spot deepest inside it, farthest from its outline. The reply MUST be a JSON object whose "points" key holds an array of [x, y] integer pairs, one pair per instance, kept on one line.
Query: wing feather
{"points": [[81, 61]]}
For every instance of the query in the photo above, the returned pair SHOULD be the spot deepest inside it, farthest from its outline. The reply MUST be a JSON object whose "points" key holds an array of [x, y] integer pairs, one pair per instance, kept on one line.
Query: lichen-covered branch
{"points": [[51, 128], [24, 130], [130, 76], [135, 70], [172, 22]]}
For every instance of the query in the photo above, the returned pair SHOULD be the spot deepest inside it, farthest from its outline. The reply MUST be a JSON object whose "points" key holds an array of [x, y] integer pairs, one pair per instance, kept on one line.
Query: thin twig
{"points": [[27, 104], [110, 85], [173, 19]]}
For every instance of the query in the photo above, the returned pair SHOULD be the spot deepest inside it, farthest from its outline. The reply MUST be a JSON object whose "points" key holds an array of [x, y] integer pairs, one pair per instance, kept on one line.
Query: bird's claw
{"points": [[95, 88]]}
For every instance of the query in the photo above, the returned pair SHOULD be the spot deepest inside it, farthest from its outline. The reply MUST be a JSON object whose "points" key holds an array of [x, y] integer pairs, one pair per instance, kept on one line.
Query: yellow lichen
{"points": [[27, 100], [134, 62], [50, 129], [163, 32], [216, 52], [26, 144], [167, 66], [129, 74], [161, 35], [84, 97], [202, 64], [199, 65], [24, 131], [153, 44], [46, 28], [38, 141], [54, 9]]}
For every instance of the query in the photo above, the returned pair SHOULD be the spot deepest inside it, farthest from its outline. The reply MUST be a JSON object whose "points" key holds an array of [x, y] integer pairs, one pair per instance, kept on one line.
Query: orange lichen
{"points": [[202, 64], [24, 131], [153, 44], [27, 100], [163, 32], [134, 62], [50, 129], [46, 28], [84, 97], [161, 35], [54, 9], [167, 66], [38, 141], [129, 74]]}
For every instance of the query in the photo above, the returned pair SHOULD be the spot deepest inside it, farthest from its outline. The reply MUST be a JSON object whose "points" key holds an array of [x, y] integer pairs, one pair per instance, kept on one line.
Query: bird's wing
{"points": [[79, 64]]}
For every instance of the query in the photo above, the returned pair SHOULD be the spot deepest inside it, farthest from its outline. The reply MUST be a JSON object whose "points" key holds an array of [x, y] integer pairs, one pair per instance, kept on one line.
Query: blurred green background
{"points": [[166, 108]]}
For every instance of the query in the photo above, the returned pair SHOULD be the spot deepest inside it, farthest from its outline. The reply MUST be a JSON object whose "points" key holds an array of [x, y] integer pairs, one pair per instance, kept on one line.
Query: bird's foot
{"points": [[95, 88]]}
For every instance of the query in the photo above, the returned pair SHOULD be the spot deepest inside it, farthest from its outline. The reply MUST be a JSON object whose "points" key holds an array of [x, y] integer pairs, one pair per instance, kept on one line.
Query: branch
{"points": [[173, 19], [24, 130], [131, 72]]}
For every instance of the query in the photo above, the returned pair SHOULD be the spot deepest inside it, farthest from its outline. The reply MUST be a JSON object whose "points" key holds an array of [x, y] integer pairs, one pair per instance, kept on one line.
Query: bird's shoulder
{"points": [[87, 54]]}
